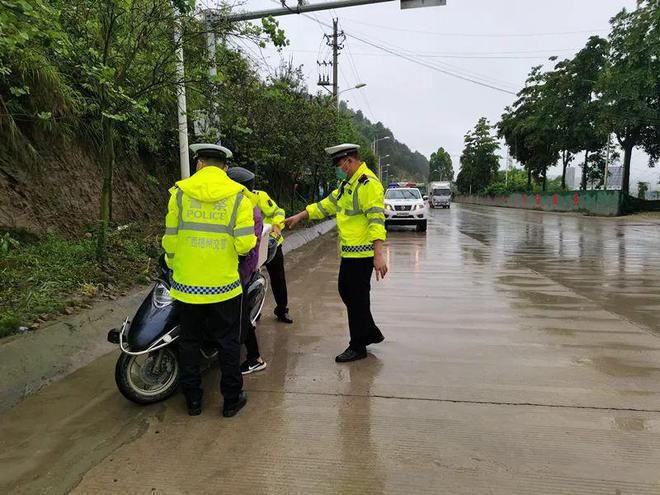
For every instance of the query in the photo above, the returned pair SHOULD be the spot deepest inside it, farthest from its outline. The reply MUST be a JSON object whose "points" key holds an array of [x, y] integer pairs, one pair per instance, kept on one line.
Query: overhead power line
{"points": [[425, 63], [448, 55], [476, 35]]}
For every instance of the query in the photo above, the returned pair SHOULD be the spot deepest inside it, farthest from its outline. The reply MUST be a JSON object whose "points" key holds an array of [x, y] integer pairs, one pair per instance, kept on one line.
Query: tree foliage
{"points": [[479, 160], [610, 86], [630, 85], [440, 165], [100, 76]]}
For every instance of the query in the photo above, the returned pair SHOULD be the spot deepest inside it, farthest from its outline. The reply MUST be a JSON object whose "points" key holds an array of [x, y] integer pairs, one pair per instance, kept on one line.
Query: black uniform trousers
{"points": [[278, 281], [354, 288], [249, 332], [219, 324]]}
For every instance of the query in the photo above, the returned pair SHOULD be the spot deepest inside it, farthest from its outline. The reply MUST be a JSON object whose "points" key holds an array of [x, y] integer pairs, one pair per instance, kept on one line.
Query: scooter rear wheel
{"points": [[148, 378]]}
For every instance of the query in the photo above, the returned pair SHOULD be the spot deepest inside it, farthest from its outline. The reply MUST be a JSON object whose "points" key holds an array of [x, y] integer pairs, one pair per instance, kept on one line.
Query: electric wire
{"points": [[476, 35], [429, 65]]}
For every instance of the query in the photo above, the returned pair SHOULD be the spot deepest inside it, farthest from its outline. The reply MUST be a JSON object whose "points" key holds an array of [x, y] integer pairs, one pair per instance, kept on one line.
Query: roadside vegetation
{"points": [[92, 84], [598, 106], [44, 277]]}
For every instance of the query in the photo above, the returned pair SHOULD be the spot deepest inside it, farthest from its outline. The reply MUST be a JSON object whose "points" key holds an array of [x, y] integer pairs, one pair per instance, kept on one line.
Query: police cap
{"points": [[208, 150], [342, 150]]}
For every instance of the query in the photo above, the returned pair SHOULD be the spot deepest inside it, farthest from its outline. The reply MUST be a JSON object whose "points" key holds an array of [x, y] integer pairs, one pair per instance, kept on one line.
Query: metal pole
{"points": [[299, 9], [607, 160], [335, 82], [182, 113], [214, 118]]}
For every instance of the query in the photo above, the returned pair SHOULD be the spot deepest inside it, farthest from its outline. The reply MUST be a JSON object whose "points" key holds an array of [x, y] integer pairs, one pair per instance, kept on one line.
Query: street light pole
{"points": [[214, 117], [380, 170], [373, 149], [357, 86], [182, 115]]}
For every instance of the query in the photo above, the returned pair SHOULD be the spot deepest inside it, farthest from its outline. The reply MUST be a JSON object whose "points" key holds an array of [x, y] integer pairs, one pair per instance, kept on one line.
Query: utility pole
{"points": [[182, 118], [607, 161], [335, 56], [213, 117], [259, 14], [336, 42]]}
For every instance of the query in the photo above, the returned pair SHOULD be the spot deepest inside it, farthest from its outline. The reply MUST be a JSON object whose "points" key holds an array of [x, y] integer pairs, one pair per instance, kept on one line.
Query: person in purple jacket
{"points": [[246, 267]]}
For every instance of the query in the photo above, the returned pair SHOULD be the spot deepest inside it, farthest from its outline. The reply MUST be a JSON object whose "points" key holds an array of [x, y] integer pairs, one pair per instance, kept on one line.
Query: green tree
{"points": [[598, 163], [569, 107], [642, 189], [441, 166], [479, 160], [529, 130], [36, 98], [629, 88]]}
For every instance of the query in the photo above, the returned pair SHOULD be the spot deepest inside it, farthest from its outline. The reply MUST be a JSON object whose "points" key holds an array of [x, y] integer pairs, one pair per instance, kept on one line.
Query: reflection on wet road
{"points": [[613, 262], [521, 357]]}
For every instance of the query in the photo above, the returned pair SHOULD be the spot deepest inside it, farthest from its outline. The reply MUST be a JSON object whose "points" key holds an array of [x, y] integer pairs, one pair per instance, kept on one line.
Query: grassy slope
{"points": [[43, 277]]}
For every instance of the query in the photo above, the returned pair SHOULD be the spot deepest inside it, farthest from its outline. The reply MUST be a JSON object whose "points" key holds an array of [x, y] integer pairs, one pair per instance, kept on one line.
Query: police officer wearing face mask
{"points": [[358, 204]]}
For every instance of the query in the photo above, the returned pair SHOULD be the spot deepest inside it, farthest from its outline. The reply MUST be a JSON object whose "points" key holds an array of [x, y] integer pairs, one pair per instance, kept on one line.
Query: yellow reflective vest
{"points": [[209, 224], [272, 213], [359, 206]]}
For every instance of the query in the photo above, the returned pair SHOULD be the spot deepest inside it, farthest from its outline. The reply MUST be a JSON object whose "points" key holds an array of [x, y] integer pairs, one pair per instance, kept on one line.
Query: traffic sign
{"points": [[416, 4]]}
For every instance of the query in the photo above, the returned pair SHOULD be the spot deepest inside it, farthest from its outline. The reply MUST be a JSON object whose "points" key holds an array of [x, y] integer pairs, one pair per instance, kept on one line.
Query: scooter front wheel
{"points": [[148, 378]]}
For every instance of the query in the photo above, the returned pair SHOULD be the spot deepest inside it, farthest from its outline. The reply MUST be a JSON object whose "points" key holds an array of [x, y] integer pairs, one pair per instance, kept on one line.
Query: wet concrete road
{"points": [[522, 357]]}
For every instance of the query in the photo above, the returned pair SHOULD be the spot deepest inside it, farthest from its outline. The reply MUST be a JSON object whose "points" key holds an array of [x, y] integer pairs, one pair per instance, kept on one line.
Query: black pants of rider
{"points": [[218, 324], [354, 289], [249, 333], [278, 281]]}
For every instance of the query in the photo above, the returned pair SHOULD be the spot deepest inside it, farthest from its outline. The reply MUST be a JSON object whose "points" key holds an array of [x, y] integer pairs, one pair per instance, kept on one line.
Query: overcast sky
{"points": [[493, 41]]}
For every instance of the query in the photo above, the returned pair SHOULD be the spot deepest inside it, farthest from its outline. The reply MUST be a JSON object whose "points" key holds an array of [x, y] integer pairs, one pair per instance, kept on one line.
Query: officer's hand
{"points": [[277, 230], [380, 265], [291, 222]]}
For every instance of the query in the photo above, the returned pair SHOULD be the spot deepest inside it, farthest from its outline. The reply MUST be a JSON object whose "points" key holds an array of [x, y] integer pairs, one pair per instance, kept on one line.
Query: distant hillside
{"points": [[405, 164]]}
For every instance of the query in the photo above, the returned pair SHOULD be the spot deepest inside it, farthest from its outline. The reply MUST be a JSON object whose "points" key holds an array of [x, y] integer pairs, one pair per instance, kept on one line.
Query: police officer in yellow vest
{"points": [[358, 204], [274, 215], [209, 224]]}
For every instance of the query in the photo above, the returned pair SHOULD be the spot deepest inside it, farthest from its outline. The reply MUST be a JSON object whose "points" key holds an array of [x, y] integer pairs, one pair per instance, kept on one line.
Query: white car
{"points": [[405, 206]]}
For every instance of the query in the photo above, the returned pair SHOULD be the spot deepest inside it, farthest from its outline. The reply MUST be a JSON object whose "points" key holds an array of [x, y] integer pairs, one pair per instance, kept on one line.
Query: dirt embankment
{"points": [[60, 194]]}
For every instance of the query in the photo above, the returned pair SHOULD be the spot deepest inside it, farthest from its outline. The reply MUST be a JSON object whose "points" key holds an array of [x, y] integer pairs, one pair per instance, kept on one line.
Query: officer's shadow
{"points": [[363, 439]]}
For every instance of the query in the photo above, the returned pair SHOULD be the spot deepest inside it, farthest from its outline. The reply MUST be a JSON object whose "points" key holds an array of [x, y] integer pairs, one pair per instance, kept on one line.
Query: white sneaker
{"points": [[252, 366]]}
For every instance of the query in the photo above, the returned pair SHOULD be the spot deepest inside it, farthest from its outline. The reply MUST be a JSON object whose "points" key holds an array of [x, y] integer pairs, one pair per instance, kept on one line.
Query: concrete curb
{"points": [[32, 361], [301, 237]]}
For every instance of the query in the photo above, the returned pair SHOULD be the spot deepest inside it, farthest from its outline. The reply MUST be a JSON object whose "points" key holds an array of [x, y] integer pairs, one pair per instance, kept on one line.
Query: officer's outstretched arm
{"points": [[244, 238], [325, 208], [170, 238]]}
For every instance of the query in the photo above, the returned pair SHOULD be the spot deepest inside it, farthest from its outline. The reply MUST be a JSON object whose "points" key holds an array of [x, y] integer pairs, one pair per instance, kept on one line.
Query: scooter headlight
{"points": [[161, 296]]}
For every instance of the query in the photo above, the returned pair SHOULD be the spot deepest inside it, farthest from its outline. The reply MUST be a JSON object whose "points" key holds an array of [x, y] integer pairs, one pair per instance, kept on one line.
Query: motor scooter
{"points": [[147, 370]]}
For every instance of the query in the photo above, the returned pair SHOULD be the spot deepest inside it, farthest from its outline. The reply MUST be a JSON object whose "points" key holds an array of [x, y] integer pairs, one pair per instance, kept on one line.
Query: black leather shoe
{"points": [[350, 355], [377, 339], [283, 316], [194, 404], [231, 409]]}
